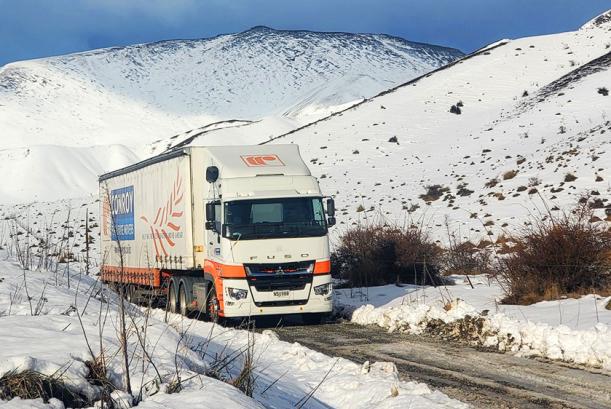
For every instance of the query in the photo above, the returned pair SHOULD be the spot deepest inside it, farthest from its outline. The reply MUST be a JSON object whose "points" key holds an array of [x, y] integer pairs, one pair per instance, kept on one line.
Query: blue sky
{"points": [[40, 28]]}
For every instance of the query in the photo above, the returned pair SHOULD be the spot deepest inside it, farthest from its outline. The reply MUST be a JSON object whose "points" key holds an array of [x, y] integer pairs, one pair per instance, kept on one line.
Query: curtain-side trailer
{"points": [[230, 231]]}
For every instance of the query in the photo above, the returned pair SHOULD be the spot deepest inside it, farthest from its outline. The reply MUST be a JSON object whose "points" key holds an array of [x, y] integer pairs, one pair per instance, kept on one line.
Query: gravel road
{"points": [[483, 378]]}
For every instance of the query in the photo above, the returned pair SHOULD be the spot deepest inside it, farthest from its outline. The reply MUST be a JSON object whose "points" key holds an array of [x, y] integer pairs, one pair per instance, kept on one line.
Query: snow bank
{"points": [[497, 330], [287, 373]]}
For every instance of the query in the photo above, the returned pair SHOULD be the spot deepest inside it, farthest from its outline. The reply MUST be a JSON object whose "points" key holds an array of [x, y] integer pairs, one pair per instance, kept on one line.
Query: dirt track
{"points": [[484, 379]]}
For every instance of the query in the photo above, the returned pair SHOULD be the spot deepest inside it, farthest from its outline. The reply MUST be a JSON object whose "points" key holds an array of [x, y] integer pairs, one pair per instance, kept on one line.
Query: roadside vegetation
{"points": [[558, 255], [555, 255], [378, 254]]}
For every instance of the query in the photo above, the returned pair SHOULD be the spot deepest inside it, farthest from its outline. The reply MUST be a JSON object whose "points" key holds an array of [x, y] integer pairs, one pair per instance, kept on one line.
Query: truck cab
{"points": [[265, 233]]}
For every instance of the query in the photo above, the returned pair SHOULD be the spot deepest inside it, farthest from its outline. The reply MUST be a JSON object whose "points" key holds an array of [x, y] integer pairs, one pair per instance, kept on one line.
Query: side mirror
{"points": [[330, 207], [212, 174], [210, 226], [331, 221]]}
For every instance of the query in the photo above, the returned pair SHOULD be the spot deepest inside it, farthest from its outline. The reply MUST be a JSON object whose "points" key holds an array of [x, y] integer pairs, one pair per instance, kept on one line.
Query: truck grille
{"points": [[279, 276], [298, 267]]}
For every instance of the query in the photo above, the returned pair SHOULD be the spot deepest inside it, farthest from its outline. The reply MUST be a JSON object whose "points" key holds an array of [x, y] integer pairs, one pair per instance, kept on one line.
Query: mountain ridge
{"points": [[139, 94]]}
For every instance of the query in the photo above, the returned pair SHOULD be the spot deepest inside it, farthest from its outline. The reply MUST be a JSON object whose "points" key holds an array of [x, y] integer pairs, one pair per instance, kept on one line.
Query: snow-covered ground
{"points": [[40, 331], [572, 330], [533, 110]]}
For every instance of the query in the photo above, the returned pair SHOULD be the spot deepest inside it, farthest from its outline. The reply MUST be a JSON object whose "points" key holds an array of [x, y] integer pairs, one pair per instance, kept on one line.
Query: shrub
{"points": [[434, 192], [534, 181], [378, 254], [558, 255], [603, 91], [464, 257], [569, 177], [462, 190]]}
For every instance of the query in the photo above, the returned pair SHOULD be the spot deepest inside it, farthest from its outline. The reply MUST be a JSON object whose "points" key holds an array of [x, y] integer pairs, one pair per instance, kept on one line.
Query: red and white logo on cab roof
{"points": [[262, 160]]}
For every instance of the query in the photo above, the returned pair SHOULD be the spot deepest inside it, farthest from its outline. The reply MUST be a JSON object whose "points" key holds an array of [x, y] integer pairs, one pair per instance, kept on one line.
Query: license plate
{"points": [[281, 293]]}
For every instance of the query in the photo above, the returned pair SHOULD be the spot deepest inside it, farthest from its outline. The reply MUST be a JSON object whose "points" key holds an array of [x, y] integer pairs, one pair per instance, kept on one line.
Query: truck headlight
{"points": [[237, 293], [322, 289]]}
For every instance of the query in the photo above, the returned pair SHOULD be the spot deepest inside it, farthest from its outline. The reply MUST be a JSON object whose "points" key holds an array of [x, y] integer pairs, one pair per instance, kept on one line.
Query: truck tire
{"points": [[212, 306], [172, 307], [130, 290], [182, 300]]}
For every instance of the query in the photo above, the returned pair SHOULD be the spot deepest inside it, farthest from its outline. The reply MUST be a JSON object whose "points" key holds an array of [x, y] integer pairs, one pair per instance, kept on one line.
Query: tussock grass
{"points": [[30, 384]]}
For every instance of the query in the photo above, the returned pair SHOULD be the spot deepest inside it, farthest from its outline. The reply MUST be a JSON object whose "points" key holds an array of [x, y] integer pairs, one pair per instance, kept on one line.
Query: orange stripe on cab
{"points": [[224, 270], [322, 267]]}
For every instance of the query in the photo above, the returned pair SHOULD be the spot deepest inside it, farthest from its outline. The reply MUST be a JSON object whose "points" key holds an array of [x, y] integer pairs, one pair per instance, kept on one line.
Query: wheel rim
{"points": [[182, 299], [172, 301]]}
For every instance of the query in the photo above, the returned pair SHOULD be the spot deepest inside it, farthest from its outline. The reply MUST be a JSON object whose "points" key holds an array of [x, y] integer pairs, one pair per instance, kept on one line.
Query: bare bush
{"points": [[434, 192], [559, 255], [464, 257], [379, 254]]}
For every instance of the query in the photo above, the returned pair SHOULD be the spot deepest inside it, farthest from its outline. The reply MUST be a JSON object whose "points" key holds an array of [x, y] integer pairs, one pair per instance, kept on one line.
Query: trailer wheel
{"points": [[172, 298], [182, 300], [130, 289], [212, 306]]}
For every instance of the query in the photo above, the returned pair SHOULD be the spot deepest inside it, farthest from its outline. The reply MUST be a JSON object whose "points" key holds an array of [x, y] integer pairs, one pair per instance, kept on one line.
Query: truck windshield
{"points": [[274, 218]]}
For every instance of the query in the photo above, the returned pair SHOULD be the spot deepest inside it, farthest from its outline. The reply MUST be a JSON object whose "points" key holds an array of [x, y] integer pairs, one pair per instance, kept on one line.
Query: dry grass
{"points": [[98, 376], [33, 385], [566, 255]]}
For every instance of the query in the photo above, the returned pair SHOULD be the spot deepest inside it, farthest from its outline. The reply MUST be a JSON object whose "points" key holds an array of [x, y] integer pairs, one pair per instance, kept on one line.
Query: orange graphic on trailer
{"points": [[165, 227], [262, 160]]}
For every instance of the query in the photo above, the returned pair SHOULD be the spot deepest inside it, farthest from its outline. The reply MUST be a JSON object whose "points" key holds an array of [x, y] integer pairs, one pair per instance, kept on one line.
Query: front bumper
{"points": [[273, 303]]}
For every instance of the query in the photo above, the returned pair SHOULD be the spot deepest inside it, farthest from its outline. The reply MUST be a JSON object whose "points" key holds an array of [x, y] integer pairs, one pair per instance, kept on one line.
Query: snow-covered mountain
{"points": [[126, 98], [530, 133]]}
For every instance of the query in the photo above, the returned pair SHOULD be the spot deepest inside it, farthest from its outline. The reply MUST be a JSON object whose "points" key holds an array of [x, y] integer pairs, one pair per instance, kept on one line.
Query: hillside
{"points": [[531, 132], [123, 99]]}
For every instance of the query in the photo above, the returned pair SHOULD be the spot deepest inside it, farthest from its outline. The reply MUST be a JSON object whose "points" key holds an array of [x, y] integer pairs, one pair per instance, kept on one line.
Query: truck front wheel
{"points": [[213, 306]]}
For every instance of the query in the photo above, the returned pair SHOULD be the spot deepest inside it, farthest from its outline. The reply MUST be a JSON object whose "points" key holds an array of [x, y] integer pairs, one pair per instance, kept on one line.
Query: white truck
{"points": [[228, 231]]}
